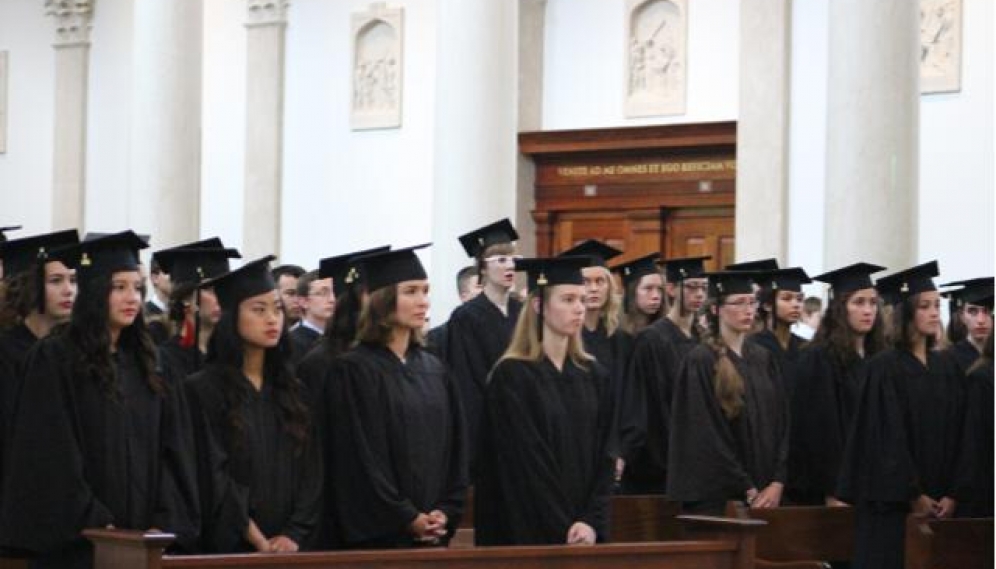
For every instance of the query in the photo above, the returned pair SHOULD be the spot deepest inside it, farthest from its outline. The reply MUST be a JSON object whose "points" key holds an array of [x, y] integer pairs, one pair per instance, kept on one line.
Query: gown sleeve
{"points": [[47, 500]]}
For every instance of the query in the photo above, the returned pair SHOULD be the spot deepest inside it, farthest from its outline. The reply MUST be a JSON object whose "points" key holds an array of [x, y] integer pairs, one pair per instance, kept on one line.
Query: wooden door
{"points": [[695, 232]]}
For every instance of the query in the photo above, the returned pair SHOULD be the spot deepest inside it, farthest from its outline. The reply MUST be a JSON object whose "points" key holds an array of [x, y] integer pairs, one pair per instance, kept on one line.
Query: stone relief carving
{"points": [[265, 12], [377, 68], [940, 46], [72, 20], [656, 55]]}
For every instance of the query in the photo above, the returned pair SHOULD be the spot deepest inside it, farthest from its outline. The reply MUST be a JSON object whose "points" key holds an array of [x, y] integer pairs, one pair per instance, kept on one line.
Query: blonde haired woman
{"points": [[545, 474]]}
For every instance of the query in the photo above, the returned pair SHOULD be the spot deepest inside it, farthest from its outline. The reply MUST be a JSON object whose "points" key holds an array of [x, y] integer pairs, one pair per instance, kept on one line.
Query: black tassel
{"points": [[40, 285]]}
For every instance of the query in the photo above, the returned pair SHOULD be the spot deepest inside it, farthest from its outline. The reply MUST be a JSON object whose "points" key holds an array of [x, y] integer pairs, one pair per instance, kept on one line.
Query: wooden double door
{"points": [[664, 189]]}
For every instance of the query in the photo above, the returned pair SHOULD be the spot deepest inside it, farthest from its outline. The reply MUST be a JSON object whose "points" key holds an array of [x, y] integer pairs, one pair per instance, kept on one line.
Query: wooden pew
{"points": [[644, 518], [948, 544], [811, 534], [730, 545]]}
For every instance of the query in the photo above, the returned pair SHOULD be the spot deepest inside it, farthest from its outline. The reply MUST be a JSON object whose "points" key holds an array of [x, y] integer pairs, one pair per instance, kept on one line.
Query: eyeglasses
{"points": [[502, 259], [743, 304]]}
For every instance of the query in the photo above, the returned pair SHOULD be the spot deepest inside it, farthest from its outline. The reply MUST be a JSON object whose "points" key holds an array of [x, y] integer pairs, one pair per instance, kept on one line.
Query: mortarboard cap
{"points": [[391, 267], [20, 255], [247, 281], [596, 252], [850, 278], [760, 265], [94, 235], [898, 286], [4, 230], [343, 269], [977, 291], [790, 279], [193, 265], [552, 271], [634, 270], [725, 283], [475, 242], [209, 243], [101, 256], [687, 268]]}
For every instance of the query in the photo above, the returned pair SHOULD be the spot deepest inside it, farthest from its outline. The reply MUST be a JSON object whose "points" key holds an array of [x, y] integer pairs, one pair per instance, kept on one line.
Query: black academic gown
{"points": [[260, 473], [399, 439], [965, 353], [302, 339], [477, 335], [823, 406], [644, 412], [977, 449], [544, 454], [787, 359], [436, 340], [177, 362], [15, 343], [86, 459], [712, 459], [905, 441]]}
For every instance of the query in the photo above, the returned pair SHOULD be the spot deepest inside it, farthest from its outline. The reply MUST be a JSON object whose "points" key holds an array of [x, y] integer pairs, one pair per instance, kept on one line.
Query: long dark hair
{"points": [[377, 319], [88, 333], [986, 359], [226, 352], [903, 315], [18, 296], [634, 319], [957, 331], [728, 384], [766, 296], [836, 336], [340, 331]]}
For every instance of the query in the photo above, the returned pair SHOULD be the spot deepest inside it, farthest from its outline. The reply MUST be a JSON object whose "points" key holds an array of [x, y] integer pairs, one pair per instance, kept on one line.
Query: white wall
{"points": [[584, 74], [26, 168], [957, 156], [346, 190]]}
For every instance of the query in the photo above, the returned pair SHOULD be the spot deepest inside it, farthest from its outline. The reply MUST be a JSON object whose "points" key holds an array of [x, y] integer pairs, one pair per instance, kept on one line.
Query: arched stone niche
{"points": [[656, 57], [377, 68]]}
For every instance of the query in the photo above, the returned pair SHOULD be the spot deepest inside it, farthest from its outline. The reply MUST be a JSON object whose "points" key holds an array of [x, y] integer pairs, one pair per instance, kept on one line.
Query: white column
{"points": [[532, 25], [873, 128], [762, 129], [72, 55], [266, 29], [164, 170], [475, 138]]}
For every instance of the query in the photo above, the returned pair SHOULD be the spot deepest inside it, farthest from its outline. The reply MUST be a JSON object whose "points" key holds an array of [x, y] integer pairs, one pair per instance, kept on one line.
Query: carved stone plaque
{"points": [[656, 57], [377, 68], [940, 46]]}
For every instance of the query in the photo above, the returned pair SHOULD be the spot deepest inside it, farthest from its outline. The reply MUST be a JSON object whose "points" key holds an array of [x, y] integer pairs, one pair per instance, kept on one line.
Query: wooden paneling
{"points": [[646, 189]]}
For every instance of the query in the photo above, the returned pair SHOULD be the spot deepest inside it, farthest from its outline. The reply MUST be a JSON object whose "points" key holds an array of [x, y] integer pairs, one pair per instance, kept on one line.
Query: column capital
{"points": [[266, 12], [72, 21]]}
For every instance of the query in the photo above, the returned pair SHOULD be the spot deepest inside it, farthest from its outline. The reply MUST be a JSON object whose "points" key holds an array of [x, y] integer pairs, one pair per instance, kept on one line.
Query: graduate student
{"points": [[978, 436], [780, 308], [399, 473], [259, 465], [904, 450], [546, 473], [971, 318], [729, 415], [828, 382], [349, 296], [317, 301], [644, 410], [193, 310], [480, 329], [643, 293], [97, 436]]}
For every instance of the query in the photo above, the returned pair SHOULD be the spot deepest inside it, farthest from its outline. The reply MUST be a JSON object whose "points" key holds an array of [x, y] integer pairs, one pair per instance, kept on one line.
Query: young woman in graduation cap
{"points": [[729, 415], [399, 472], [904, 451], [36, 295], [546, 473], [828, 382], [98, 438], [259, 465], [643, 293], [644, 414]]}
